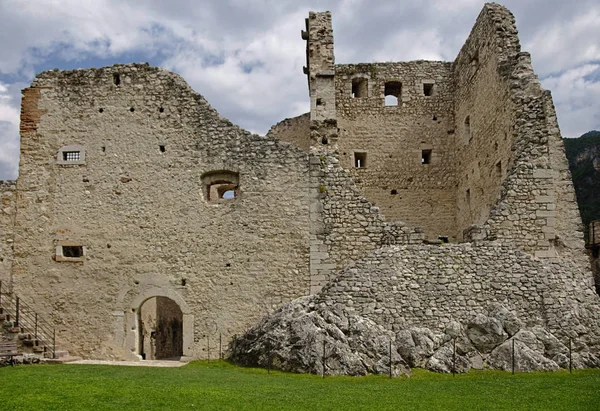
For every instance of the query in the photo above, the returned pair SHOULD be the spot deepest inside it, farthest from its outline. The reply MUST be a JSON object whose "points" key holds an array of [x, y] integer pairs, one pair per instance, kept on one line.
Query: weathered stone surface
{"points": [[415, 345], [300, 337], [485, 332], [526, 358], [509, 320], [293, 338]]}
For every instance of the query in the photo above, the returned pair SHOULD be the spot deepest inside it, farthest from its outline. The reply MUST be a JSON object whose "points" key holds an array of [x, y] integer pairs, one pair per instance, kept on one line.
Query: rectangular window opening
{"points": [[428, 89], [71, 155], [360, 160], [426, 157], [392, 93], [72, 251], [359, 87]]}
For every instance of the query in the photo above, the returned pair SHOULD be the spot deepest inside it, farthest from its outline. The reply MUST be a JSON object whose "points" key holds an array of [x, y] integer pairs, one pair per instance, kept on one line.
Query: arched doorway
{"points": [[160, 327]]}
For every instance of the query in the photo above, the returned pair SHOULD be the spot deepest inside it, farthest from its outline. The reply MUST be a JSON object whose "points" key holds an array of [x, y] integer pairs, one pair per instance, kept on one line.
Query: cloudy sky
{"points": [[246, 56]]}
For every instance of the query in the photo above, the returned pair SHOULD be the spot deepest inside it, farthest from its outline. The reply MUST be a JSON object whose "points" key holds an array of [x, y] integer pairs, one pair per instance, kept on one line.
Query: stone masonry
{"points": [[133, 188]]}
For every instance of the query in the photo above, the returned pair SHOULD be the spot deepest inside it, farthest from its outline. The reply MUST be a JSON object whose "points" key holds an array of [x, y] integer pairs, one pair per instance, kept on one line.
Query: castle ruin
{"points": [[420, 192]]}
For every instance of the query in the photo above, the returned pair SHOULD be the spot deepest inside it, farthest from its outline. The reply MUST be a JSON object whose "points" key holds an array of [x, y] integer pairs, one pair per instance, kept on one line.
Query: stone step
{"points": [[61, 360]]}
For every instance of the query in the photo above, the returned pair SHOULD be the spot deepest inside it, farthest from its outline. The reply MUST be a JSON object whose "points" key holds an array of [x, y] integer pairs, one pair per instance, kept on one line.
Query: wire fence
{"points": [[455, 367]]}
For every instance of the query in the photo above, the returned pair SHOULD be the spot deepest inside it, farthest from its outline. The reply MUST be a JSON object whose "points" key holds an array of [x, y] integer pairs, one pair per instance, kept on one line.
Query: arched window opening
{"points": [[220, 185], [392, 93]]}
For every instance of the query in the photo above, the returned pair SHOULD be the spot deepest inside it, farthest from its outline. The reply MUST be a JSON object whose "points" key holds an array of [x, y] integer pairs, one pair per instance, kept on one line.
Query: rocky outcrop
{"points": [[301, 337], [305, 335]]}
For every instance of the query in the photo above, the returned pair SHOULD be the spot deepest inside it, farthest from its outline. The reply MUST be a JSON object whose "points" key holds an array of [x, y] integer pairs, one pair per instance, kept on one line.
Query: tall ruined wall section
{"points": [[137, 201], [7, 220], [516, 170], [430, 286], [408, 169], [485, 114], [345, 225], [293, 130]]}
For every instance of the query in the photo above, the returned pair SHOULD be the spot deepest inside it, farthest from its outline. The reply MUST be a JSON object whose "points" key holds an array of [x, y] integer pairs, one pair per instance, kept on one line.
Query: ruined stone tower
{"points": [[133, 189]]}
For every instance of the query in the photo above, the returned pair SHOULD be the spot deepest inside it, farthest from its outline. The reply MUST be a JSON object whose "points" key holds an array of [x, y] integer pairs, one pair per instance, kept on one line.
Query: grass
{"points": [[221, 386]]}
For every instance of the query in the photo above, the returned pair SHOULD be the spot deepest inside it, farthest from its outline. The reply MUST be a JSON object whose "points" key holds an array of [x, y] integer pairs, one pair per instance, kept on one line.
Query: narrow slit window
{"points": [[116, 79], [468, 196], [71, 155], [468, 134], [359, 87], [428, 89], [360, 160], [425, 156], [499, 169]]}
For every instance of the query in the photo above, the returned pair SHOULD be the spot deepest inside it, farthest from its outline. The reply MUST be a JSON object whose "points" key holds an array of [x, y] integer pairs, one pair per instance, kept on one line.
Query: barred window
{"points": [[71, 155]]}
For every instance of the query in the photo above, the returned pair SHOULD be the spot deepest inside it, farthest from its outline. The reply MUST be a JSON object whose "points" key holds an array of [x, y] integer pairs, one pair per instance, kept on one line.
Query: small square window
{"points": [[360, 160], [69, 251], [426, 157], [428, 89]]}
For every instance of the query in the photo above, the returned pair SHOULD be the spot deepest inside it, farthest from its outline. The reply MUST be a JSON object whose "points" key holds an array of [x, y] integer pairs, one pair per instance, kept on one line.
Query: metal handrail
{"points": [[28, 320]]}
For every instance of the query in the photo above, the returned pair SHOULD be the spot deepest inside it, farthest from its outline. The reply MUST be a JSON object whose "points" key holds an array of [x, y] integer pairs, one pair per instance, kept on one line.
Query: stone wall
{"points": [[513, 124], [136, 201], [344, 224], [395, 176], [7, 218], [293, 130], [429, 286], [485, 115]]}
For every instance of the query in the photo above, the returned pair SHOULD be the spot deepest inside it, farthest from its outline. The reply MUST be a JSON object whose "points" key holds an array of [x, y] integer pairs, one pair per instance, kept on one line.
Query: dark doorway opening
{"points": [[161, 329]]}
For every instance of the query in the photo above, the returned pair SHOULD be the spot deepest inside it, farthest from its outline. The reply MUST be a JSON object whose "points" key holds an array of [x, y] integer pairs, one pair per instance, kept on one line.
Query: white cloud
{"points": [[9, 128], [577, 99], [246, 57], [564, 44]]}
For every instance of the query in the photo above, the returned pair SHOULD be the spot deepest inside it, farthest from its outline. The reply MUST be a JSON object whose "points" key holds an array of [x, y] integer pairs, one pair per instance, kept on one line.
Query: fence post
{"points": [[513, 356], [390, 358], [454, 358], [570, 356], [269, 359], [323, 359], [17, 313]]}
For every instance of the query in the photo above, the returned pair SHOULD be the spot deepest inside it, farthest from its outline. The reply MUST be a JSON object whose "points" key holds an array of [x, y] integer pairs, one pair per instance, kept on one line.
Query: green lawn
{"points": [[219, 385]]}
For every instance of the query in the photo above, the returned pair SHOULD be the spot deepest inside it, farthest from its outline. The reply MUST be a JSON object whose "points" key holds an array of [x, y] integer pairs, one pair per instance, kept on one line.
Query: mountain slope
{"points": [[583, 154]]}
